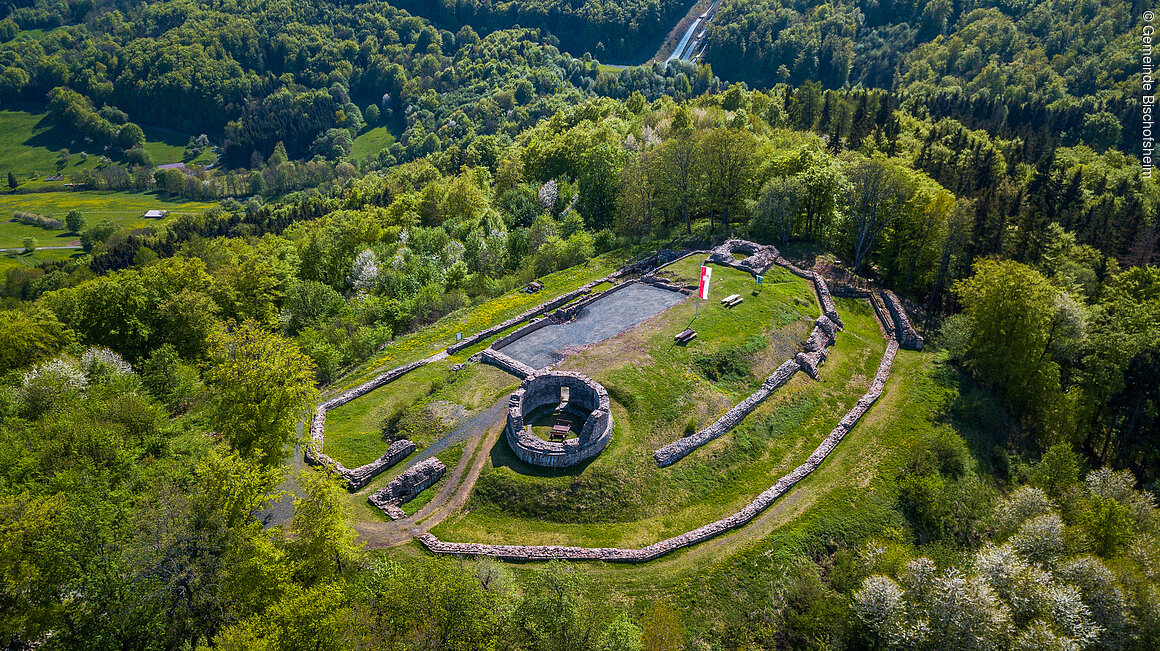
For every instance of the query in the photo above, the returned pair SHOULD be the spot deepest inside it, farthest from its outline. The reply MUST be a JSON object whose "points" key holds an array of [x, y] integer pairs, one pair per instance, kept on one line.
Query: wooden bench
{"points": [[685, 336], [731, 300], [534, 287]]}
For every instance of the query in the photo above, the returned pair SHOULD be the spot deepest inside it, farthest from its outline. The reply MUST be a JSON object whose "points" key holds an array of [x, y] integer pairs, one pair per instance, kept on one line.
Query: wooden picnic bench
{"points": [[731, 300], [560, 430], [534, 287], [685, 336]]}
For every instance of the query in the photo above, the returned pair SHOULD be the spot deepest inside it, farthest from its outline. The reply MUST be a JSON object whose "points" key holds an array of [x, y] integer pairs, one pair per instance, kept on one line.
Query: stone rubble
{"points": [[406, 486], [761, 256]]}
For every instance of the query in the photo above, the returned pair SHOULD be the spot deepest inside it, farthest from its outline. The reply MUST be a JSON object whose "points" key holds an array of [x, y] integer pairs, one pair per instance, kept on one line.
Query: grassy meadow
{"points": [[126, 209], [28, 146], [371, 142]]}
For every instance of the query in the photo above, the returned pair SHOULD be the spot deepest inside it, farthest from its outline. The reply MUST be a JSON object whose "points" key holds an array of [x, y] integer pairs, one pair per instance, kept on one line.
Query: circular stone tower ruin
{"points": [[568, 396]]}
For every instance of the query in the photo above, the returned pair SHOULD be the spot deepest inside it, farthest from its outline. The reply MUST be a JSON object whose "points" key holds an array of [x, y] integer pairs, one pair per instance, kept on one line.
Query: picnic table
{"points": [[560, 429], [685, 336], [731, 300]]}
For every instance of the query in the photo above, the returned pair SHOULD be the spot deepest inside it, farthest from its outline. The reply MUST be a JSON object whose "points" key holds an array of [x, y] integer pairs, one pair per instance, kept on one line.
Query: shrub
{"points": [[34, 219]]}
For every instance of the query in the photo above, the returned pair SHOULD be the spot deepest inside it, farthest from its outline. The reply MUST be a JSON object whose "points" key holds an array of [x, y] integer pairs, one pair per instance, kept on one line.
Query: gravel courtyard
{"points": [[604, 318]]}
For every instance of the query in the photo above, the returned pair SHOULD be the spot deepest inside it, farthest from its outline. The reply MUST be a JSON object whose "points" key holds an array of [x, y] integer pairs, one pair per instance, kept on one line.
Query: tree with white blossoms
{"points": [[1023, 504], [364, 271], [1041, 538], [51, 385], [547, 195], [100, 363], [966, 613], [880, 605]]}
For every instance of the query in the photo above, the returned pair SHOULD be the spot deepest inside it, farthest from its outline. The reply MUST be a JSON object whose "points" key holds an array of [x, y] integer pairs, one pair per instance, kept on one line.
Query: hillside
{"points": [[449, 335]]}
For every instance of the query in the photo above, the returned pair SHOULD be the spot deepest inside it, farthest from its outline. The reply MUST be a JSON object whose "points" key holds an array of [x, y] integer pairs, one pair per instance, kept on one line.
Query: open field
{"points": [[370, 142], [126, 209], [27, 146], [11, 259]]}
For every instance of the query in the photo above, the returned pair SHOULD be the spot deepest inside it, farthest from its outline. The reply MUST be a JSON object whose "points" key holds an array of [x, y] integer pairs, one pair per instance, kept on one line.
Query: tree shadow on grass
{"points": [[979, 416]]}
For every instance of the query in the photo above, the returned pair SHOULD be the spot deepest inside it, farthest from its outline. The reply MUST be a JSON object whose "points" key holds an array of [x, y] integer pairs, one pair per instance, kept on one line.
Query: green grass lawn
{"points": [[371, 142], [126, 209], [621, 498], [27, 145], [427, 396], [166, 146], [9, 260]]}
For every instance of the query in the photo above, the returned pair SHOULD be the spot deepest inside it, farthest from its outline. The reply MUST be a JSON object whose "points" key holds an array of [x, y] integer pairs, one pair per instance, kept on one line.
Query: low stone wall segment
{"points": [[406, 486], [357, 477], [701, 534], [680, 448], [363, 475], [506, 363], [907, 336]]}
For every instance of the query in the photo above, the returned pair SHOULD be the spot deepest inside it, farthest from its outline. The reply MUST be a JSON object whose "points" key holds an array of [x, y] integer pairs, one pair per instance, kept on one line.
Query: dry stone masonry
{"points": [[363, 475], [506, 363], [679, 449], [586, 398], [761, 256], [656, 550], [406, 486]]}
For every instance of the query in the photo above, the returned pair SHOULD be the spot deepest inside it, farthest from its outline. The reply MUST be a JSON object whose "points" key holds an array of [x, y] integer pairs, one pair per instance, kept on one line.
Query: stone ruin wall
{"points": [[544, 389], [652, 262], [406, 486], [907, 336], [363, 475], [761, 256], [680, 448], [701, 534], [522, 331], [505, 363], [821, 337]]}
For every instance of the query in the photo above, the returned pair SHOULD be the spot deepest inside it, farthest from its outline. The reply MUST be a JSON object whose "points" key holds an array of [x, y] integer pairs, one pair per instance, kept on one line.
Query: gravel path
{"points": [[603, 318], [481, 433]]}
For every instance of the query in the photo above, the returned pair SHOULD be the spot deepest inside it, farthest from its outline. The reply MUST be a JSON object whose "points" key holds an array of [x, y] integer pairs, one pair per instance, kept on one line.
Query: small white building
{"points": [[156, 214]]}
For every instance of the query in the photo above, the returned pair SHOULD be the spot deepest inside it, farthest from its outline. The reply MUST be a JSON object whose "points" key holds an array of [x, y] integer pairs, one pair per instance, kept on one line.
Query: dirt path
{"points": [[451, 497]]}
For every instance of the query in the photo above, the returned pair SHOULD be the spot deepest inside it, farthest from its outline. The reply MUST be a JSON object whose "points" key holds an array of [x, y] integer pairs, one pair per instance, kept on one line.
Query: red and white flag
{"points": [[703, 289]]}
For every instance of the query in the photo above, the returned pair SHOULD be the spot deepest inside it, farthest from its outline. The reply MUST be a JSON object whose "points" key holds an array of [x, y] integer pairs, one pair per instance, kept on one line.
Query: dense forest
{"points": [[975, 158], [1064, 72]]}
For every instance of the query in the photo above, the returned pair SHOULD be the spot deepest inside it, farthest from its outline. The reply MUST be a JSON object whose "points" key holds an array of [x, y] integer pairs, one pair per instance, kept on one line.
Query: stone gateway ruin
{"points": [[566, 397]]}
